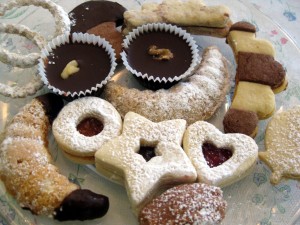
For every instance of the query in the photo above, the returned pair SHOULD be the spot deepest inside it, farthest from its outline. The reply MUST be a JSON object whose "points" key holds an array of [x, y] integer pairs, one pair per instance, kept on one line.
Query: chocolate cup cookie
{"points": [[77, 65], [159, 55]]}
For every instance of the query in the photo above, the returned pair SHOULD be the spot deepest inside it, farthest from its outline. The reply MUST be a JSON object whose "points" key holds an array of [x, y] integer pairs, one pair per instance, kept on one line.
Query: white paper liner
{"points": [[79, 38], [161, 27]]}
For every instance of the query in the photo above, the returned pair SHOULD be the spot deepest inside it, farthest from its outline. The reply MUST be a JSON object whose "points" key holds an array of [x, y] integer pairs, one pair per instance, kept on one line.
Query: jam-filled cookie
{"points": [[84, 125], [147, 158], [220, 159]]}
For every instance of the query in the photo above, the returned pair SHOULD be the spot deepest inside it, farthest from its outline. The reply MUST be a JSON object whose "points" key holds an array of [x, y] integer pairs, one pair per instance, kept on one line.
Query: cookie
{"points": [[254, 97], [282, 146], [146, 158], [186, 204], [261, 68], [192, 15], [241, 121], [220, 159]]}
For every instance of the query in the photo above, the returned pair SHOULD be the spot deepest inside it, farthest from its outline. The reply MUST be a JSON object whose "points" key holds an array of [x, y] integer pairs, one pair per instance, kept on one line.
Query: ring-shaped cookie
{"points": [[18, 60], [68, 137]]}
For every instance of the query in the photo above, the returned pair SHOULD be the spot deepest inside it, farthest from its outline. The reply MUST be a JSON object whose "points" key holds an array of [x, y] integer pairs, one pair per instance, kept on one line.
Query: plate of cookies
{"points": [[147, 112]]}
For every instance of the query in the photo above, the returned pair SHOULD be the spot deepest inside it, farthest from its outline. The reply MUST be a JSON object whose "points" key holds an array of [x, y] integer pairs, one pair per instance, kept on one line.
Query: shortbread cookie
{"points": [[196, 98], [262, 69], [220, 159], [282, 144], [100, 18], [28, 174], [242, 38], [196, 203], [84, 125], [147, 158], [240, 121], [254, 97], [192, 14]]}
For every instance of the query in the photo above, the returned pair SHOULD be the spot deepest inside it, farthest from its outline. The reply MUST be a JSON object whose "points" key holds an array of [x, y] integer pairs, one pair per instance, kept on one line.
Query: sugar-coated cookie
{"points": [[282, 144], [85, 124], [147, 158], [254, 97], [192, 15], [196, 203], [220, 159]]}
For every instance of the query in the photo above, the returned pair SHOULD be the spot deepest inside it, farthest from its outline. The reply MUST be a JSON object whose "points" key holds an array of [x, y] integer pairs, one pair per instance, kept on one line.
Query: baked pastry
{"points": [[146, 158], [241, 121], [254, 97], [220, 159], [74, 58], [262, 69], [101, 18], [192, 15], [196, 203], [28, 174], [282, 146], [159, 55], [83, 126], [196, 98]]}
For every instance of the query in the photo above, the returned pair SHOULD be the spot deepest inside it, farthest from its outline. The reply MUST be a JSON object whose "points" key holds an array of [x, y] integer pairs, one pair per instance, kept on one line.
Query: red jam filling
{"points": [[147, 152], [90, 126], [215, 156]]}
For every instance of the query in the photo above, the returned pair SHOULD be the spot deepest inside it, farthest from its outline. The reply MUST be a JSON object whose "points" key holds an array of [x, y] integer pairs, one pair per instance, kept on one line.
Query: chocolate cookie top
{"points": [[240, 121], [243, 26], [92, 13], [260, 68]]}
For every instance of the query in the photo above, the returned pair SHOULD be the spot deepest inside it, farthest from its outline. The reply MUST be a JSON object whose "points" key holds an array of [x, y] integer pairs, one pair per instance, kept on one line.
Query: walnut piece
{"points": [[160, 53]]}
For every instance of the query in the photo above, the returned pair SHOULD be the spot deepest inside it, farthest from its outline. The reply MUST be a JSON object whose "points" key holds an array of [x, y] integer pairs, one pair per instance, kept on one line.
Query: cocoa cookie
{"points": [[241, 121], [100, 18], [260, 68]]}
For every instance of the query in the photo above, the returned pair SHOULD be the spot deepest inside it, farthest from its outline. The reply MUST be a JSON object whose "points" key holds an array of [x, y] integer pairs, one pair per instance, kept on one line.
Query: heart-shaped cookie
{"points": [[244, 153]]}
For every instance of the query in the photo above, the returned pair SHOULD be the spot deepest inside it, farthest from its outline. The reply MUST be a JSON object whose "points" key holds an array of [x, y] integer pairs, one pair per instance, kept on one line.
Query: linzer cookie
{"points": [[193, 16], [101, 18], [159, 55], [261, 68], [282, 144], [77, 65], [186, 204], [220, 159], [147, 158]]}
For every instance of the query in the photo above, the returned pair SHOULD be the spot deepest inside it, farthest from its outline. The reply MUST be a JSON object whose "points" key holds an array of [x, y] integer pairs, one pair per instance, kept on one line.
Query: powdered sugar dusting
{"points": [[196, 98], [192, 204]]}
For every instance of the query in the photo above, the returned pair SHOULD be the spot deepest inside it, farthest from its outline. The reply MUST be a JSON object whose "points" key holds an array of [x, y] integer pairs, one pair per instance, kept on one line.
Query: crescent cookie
{"points": [[196, 98], [282, 144], [80, 146]]}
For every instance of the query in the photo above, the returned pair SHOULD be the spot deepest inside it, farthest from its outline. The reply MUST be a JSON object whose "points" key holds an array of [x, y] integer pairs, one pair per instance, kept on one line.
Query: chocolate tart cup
{"points": [[76, 38], [155, 81]]}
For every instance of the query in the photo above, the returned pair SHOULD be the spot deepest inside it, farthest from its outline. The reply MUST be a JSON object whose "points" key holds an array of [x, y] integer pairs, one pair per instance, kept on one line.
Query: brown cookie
{"points": [[240, 121], [260, 68], [100, 18]]}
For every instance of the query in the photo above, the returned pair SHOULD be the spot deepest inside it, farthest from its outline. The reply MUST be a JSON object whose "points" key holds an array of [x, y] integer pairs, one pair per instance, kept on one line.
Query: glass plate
{"points": [[252, 200]]}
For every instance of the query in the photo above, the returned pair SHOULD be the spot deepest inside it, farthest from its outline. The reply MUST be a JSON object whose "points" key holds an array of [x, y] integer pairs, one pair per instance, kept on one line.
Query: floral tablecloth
{"points": [[253, 200]]}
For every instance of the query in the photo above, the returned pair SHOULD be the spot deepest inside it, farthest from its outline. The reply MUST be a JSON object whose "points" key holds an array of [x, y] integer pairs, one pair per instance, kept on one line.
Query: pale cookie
{"points": [[282, 143], [196, 98], [122, 159], [187, 14], [202, 140], [254, 97], [84, 125]]}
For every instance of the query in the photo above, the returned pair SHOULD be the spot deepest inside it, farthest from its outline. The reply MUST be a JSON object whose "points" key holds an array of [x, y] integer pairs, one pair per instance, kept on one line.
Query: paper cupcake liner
{"points": [[79, 38], [161, 27]]}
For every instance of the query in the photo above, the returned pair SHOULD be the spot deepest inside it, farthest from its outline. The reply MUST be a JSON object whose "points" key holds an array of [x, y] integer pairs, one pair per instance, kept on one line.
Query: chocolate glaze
{"points": [[243, 26], [52, 104], [90, 14], [142, 61], [94, 64], [82, 204]]}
